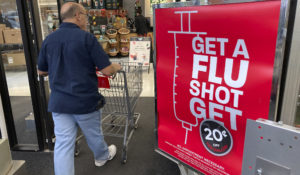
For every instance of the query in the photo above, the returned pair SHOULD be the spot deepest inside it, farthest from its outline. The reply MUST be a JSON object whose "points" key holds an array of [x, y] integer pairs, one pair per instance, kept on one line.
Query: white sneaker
{"points": [[112, 150]]}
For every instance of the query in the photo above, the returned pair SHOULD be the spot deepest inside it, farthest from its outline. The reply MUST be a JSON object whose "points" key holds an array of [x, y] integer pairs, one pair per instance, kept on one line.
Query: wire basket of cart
{"points": [[121, 93]]}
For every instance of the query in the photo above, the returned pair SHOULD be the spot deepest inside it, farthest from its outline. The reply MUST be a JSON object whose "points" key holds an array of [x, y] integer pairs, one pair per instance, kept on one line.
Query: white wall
{"points": [[145, 4], [147, 10], [129, 5]]}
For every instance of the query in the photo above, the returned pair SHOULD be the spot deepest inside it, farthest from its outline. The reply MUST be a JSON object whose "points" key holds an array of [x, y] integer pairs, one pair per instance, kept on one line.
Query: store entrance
{"points": [[23, 92]]}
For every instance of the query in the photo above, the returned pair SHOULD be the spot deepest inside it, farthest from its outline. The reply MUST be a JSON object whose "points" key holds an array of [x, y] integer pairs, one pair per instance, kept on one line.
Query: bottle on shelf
{"points": [[89, 3]]}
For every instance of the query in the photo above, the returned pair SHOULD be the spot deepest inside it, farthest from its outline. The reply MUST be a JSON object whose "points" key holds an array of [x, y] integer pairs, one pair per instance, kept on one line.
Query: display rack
{"points": [[10, 47], [113, 42], [124, 41]]}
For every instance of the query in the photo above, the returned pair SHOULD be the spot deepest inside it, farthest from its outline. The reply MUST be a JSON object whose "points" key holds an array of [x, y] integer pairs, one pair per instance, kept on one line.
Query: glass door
{"points": [[49, 16], [23, 25], [297, 120], [17, 101]]}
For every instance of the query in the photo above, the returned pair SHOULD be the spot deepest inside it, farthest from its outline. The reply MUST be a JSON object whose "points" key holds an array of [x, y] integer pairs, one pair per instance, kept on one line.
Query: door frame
{"points": [[28, 17]]}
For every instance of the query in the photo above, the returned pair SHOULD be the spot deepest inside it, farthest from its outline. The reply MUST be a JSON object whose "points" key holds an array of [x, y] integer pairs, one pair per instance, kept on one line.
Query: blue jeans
{"points": [[66, 131]]}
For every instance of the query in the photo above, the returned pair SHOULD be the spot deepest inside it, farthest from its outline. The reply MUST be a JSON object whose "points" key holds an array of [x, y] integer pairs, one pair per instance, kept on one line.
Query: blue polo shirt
{"points": [[70, 56]]}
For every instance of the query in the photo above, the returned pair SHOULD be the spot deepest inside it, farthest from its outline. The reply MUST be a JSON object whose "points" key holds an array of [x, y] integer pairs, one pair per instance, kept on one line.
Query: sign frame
{"points": [[145, 39], [278, 61]]}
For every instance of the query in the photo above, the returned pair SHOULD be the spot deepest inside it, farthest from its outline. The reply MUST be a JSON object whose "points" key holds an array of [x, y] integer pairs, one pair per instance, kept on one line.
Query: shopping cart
{"points": [[121, 92]]}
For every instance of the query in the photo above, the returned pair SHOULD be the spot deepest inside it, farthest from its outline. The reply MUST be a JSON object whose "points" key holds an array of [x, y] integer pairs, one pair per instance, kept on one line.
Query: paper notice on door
{"points": [[10, 60]]}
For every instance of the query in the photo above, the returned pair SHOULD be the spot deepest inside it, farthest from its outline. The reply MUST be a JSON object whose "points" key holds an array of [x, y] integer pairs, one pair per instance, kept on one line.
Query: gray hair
{"points": [[70, 12]]}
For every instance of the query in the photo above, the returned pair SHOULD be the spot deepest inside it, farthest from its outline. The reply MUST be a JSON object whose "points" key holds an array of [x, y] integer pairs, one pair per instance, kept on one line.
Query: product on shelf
{"points": [[124, 31], [124, 36], [103, 38], [120, 22], [124, 51], [111, 33], [99, 4], [86, 3], [106, 22], [113, 42], [103, 29], [108, 4], [124, 40], [113, 52], [103, 41], [89, 3]]}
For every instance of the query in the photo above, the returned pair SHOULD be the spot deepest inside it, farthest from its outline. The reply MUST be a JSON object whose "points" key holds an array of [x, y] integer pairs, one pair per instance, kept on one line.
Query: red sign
{"points": [[103, 81], [214, 71]]}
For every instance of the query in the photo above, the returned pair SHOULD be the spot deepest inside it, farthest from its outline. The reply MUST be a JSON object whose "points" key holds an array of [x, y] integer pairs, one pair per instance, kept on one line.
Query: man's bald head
{"points": [[69, 10]]}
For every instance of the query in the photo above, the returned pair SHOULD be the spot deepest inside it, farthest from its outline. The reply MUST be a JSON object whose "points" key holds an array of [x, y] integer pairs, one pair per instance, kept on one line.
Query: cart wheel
{"points": [[77, 149], [135, 124], [124, 156]]}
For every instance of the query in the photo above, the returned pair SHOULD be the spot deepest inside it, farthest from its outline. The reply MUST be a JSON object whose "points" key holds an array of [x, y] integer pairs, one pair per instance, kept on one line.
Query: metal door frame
{"points": [[291, 83], [28, 17], [278, 61]]}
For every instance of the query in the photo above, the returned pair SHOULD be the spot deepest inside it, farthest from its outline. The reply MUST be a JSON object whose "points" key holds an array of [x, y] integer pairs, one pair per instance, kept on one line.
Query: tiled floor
{"points": [[141, 157], [148, 83], [18, 84]]}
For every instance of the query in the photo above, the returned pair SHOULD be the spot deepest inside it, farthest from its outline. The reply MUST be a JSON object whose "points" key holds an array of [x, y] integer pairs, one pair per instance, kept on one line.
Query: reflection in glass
{"points": [[16, 74], [297, 121], [49, 16]]}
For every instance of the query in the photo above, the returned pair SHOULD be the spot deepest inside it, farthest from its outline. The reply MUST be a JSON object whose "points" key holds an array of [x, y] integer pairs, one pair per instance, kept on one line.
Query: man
{"points": [[70, 56], [141, 23]]}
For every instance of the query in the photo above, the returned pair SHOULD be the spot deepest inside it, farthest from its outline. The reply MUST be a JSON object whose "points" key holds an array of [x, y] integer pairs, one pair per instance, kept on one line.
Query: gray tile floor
{"points": [[142, 159]]}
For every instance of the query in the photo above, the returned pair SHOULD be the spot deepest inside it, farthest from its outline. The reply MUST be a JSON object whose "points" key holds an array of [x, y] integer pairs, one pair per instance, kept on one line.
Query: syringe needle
{"points": [[186, 135]]}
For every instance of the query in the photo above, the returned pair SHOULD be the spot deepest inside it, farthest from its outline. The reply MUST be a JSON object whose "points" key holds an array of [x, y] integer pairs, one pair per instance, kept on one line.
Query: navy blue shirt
{"points": [[70, 56]]}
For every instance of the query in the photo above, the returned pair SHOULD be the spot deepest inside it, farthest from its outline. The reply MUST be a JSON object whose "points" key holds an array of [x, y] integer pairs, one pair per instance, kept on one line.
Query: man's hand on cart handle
{"points": [[42, 73], [111, 69]]}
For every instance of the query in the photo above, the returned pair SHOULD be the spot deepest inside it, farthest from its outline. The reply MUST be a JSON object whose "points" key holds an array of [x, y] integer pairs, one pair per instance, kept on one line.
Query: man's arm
{"points": [[111, 69], [100, 58], [42, 73], [42, 62]]}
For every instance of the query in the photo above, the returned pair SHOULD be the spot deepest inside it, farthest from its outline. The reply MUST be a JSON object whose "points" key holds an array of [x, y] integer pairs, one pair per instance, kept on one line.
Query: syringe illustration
{"points": [[187, 120]]}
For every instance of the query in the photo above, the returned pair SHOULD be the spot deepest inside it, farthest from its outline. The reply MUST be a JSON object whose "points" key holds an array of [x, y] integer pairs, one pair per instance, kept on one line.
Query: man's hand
{"points": [[117, 67], [42, 73], [111, 69]]}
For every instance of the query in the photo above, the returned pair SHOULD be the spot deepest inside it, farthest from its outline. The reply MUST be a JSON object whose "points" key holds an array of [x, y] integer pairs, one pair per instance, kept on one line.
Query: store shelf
{"points": [[6, 47], [48, 3]]}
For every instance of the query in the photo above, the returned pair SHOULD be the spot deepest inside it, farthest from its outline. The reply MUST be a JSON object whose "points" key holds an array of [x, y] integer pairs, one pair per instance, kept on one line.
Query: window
{"points": [[158, 2]]}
